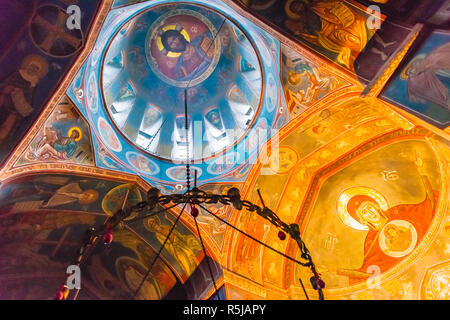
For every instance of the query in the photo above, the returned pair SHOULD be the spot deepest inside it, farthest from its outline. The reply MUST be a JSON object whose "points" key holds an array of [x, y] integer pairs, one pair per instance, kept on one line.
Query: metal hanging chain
{"points": [[199, 197], [94, 236], [196, 196], [188, 171], [151, 214], [156, 134], [159, 253], [207, 258], [316, 281], [254, 239], [86, 250]]}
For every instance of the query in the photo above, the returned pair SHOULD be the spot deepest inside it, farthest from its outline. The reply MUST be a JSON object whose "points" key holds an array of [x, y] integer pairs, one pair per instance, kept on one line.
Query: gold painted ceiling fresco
{"points": [[359, 159]]}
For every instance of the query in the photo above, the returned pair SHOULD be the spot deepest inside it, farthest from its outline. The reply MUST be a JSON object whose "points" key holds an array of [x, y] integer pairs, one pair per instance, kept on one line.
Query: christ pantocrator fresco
{"points": [[183, 48]]}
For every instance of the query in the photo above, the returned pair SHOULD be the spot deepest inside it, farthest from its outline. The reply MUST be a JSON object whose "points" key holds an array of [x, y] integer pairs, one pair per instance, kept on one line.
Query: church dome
{"points": [[166, 53]]}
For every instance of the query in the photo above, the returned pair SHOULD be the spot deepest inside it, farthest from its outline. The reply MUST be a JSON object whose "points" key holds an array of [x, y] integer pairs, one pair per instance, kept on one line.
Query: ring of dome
{"points": [[145, 100], [157, 170]]}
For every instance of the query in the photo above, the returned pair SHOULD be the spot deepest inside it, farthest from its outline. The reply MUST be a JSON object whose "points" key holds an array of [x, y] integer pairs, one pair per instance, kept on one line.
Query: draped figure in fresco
{"points": [[47, 192], [306, 75], [71, 193], [16, 94], [392, 233], [132, 272], [422, 75], [183, 247], [195, 55], [331, 25], [56, 147]]}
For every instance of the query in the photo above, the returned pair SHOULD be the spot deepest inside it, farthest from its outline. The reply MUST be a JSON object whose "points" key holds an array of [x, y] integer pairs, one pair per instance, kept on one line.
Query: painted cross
{"points": [[56, 31]]}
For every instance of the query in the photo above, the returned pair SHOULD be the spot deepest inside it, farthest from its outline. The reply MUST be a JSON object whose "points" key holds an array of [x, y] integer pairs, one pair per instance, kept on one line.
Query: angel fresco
{"points": [[423, 76], [318, 84], [17, 91], [392, 233]]}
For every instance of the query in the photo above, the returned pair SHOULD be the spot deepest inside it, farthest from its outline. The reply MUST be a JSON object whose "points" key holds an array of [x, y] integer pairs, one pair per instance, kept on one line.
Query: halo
{"points": [[43, 64], [113, 200], [341, 205], [152, 40], [382, 241], [160, 46], [404, 74], [94, 196], [290, 14], [80, 134]]}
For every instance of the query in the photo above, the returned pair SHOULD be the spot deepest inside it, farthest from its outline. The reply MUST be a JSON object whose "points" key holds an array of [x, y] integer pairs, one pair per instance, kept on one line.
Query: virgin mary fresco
{"points": [[391, 233]]}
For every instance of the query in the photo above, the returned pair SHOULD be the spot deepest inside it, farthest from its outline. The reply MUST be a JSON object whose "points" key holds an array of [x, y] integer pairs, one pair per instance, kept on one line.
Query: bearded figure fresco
{"points": [[60, 147], [16, 94], [191, 53], [182, 48]]}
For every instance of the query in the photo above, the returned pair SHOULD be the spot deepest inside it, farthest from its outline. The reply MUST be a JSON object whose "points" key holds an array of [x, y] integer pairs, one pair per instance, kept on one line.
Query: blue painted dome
{"points": [[166, 53], [148, 58]]}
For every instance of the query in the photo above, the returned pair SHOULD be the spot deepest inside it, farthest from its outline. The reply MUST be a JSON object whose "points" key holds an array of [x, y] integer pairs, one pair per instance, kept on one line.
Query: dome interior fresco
{"points": [[211, 59], [332, 113]]}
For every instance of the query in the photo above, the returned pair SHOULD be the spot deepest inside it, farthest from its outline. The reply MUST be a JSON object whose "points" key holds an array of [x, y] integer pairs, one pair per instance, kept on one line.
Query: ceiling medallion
{"points": [[182, 48]]}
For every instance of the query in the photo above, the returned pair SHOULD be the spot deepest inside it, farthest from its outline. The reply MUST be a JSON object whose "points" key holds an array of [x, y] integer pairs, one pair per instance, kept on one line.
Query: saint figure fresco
{"points": [[16, 94]]}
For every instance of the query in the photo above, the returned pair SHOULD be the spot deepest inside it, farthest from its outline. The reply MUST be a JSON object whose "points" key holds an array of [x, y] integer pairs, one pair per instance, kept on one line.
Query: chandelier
{"points": [[194, 198]]}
